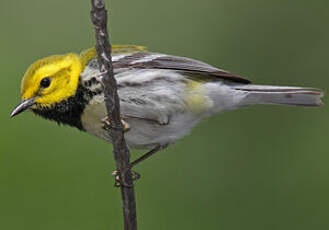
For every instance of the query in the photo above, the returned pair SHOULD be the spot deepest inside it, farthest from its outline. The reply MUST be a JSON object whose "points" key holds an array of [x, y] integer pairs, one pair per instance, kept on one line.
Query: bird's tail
{"points": [[284, 95]]}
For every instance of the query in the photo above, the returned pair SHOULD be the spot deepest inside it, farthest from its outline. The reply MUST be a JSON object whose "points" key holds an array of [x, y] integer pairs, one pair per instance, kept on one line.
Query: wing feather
{"points": [[145, 60]]}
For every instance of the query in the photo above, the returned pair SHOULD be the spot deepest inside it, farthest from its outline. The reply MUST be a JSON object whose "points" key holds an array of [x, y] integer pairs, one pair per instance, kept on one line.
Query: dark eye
{"points": [[45, 83]]}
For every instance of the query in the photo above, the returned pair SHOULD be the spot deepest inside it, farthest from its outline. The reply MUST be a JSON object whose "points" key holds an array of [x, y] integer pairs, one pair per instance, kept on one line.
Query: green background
{"points": [[264, 167]]}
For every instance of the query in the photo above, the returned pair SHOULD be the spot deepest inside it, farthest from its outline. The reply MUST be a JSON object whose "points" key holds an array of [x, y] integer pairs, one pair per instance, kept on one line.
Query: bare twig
{"points": [[121, 151]]}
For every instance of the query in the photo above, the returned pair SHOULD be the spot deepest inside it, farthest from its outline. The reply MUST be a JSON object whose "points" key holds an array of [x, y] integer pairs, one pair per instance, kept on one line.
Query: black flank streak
{"points": [[91, 82]]}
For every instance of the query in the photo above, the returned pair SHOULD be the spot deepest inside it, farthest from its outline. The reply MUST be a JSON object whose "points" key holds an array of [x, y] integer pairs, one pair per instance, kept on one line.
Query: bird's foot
{"points": [[117, 182], [108, 125]]}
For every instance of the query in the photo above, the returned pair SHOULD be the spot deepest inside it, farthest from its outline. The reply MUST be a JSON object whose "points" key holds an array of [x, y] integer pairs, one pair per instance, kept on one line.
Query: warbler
{"points": [[162, 97]]}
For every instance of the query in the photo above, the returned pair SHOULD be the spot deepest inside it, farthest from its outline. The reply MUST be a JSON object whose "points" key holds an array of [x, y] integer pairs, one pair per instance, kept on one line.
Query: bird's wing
{"points": [[135, 102], [145, 60], [117, 50], [130, 56]]}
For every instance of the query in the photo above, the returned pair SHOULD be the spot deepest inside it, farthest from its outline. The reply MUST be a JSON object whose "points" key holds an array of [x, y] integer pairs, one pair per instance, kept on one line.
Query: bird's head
{"points": [[48, 81]]}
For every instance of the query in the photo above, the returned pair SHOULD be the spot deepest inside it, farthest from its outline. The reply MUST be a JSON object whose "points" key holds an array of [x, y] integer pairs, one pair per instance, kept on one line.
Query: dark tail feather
{"points": [[263, 94]]}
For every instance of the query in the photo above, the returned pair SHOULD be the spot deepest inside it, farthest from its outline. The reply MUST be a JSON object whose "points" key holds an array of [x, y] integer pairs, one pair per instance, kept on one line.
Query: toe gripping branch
{"points": [[108, 125], [117, 181], [136, 175]]}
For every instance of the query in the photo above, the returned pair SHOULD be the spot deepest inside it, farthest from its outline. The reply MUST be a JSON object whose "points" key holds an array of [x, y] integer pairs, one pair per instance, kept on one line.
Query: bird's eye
{"points": [[45, 82]]}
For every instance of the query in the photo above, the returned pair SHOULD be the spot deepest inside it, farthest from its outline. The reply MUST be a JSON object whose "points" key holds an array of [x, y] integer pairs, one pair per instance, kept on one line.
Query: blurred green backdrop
{"points": [[264, 167]]}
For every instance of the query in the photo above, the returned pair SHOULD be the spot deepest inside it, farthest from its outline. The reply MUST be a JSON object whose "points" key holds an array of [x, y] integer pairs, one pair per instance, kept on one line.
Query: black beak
{"points": [[24, 105]]}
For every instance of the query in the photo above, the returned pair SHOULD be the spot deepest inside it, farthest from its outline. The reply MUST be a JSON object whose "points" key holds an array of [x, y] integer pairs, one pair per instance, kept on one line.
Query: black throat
{"points": [[68, 111]]}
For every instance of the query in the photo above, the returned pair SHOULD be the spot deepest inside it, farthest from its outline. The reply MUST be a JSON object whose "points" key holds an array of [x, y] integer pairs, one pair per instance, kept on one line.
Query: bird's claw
{"points": [[117, 181], [107, 125]]}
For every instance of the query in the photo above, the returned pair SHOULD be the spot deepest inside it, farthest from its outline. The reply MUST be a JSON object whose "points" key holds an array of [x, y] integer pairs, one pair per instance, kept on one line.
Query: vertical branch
{"points": [[121, 151]]}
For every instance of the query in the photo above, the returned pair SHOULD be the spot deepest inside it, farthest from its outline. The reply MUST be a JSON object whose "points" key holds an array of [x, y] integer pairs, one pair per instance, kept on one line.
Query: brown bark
{"points": [[120, 149]]}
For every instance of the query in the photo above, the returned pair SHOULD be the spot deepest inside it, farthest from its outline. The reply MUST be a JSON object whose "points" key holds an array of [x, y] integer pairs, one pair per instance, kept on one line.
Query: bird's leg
{"points": [[108, 125], [148, 154], [135, 175], [117, 183]]}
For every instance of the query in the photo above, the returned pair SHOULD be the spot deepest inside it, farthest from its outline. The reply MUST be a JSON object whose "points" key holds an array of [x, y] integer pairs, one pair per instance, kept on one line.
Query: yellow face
{"points": [[52, 79]]}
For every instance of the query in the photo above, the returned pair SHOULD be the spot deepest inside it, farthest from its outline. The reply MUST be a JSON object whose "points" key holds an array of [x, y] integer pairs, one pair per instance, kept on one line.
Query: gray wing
{"points": [[145, 60], [160, 95], [151, 94]]}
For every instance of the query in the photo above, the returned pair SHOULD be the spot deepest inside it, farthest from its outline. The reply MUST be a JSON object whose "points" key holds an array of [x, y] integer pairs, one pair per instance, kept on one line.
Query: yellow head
{"points": [[50, 80], [55, 78]]}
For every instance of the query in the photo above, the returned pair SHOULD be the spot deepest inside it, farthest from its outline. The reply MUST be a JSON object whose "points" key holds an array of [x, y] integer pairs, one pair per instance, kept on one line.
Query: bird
{"points": [[162, 97]]}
